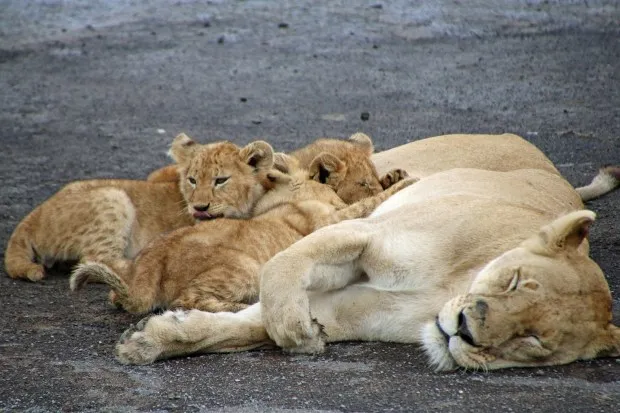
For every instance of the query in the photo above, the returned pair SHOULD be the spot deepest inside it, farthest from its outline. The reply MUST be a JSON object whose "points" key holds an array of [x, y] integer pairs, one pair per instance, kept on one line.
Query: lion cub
{"points": [[110, 220], [214, 266], [350, 171]]}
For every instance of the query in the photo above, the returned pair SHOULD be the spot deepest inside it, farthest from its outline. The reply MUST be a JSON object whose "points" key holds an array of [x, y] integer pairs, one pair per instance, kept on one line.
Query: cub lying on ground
{"points": [[485, 269], [350, 172], [214, 266], [110, 220]]}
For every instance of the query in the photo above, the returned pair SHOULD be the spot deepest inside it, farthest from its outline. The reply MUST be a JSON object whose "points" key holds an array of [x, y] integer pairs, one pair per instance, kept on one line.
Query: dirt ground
{"points": [[99, 88]]}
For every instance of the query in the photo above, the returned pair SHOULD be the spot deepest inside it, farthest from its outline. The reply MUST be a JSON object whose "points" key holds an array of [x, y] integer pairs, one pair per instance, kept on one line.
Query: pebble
{"points": [[365, 116]]}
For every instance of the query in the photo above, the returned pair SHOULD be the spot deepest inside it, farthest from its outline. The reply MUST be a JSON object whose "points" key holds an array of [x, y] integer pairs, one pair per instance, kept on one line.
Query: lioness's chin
{"points": [[435, 346]]}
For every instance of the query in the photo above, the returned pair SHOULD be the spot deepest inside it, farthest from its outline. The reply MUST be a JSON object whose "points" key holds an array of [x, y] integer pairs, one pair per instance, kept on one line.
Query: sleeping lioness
{"points": [[484, 269]]}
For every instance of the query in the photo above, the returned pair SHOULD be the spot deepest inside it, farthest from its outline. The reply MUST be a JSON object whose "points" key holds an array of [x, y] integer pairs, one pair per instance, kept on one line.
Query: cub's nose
{"points": [[201, 208], [462, 330]]}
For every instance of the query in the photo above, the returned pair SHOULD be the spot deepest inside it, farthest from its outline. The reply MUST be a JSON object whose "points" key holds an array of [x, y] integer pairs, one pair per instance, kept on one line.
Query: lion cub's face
{"points": [[543, 303], [348, 169], [220, 179]]}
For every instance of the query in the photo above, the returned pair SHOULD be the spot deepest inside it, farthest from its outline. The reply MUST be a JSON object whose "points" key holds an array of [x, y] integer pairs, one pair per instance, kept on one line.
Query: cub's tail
{"points": [[97, 272], [607, 180], [19, 257]]}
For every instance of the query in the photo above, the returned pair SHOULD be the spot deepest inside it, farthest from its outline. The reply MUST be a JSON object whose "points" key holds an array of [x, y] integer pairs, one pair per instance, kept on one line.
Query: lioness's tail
{"points": [[20, 251], [365, 207], [97, 272], [607, 180]]}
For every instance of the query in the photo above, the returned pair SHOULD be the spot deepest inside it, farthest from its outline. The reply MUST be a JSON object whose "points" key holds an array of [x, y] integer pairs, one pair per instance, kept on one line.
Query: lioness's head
{"points": [[348, 169], [220, 179], [543, 303]]}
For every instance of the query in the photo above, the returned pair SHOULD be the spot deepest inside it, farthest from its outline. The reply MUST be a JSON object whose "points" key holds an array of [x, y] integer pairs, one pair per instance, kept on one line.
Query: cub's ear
{"points": [[564, 234], [285, 163], [258, 154], [363, 141], [182, 148], [327, 169]]}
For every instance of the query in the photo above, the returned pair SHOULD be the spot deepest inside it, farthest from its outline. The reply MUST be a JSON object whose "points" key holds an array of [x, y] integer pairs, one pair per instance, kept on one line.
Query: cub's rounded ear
{"points": [[327, 169], [285, 163], [258, 154], [182, 148], [564, 234], [363, 141]]}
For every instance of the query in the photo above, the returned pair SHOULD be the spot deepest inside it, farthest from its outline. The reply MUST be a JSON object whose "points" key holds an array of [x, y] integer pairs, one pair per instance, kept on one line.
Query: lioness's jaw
{"points": [[258, 154]]}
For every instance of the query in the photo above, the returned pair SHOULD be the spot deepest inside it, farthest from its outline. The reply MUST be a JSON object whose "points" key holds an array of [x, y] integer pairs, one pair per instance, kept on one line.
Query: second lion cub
{"points": [[214, 266]]}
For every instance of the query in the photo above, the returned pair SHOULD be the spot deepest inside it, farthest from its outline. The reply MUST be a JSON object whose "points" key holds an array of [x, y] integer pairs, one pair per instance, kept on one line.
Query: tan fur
{"points": [[485, 269], [111, 220], [214, 266], [344, 165]]}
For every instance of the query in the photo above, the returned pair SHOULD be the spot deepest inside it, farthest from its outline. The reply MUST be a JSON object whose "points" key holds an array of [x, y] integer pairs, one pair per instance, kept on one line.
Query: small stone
{"points": [[365, 116], [243, 99], [376, 6], [256, 121], [283, 25], [220, 39], [375, 46]]}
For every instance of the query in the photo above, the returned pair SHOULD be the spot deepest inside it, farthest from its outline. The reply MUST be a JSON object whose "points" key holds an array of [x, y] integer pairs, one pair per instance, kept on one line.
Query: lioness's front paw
{"points": [[137, 346], [393, 176], [292, 328]]}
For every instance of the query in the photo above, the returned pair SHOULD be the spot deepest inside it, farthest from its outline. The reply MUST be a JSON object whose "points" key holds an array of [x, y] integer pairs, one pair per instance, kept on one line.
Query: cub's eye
{"points": [[192, 181], [221, 180], [364, 184]]}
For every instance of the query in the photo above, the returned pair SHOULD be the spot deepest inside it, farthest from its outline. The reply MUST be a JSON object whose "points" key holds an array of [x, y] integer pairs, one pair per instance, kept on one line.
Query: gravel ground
{"points": [[98, 89]]}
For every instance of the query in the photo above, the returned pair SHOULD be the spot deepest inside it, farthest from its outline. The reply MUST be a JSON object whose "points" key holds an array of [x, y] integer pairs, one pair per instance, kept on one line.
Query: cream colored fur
{"points": [[485, 269]]}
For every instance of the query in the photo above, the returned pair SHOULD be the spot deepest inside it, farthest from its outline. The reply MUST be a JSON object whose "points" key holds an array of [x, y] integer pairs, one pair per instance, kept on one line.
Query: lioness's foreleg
{"points": [[177, 333], [323, 261]]}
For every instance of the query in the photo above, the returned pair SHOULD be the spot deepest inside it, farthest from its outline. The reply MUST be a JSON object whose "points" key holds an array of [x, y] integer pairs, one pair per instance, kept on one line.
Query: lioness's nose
{"points": [[201, 208], [463, 331]]}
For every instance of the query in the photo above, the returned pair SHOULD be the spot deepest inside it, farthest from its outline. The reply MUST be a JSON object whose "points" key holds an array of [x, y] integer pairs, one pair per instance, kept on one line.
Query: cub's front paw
{"points": [[138, 346], [393, 176]]}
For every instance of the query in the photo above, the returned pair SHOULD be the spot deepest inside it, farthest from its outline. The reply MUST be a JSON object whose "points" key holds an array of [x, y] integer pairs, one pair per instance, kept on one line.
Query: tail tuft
{"points": [[607, 180]]}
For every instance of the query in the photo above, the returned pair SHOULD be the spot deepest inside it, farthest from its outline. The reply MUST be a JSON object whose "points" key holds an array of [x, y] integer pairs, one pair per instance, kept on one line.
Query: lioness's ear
{"points": [[182, 148], [363, 141], [565, 233], [285, 163], [327, 169], [258, 154]]}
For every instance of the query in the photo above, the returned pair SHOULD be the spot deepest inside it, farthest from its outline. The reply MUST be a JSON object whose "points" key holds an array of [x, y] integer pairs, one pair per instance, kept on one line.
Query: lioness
{"points": [[214, 266], [485, 269], [349, 169], [110, 220]]}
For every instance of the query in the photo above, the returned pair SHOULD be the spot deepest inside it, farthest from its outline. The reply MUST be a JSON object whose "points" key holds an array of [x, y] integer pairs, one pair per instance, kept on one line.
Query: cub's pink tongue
{"points": [[202, 215]]}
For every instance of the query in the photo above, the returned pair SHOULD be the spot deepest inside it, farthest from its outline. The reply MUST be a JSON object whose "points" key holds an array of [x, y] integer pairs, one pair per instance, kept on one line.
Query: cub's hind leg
{"points": [[177, 333], [76, 224], [228, 285]]}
